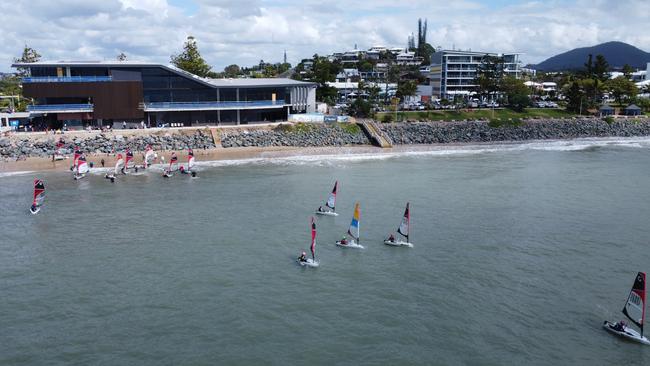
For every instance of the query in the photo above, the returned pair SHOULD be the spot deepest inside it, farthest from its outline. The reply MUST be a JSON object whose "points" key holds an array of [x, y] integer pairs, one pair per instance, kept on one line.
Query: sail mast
{"points": [[313, 239]]}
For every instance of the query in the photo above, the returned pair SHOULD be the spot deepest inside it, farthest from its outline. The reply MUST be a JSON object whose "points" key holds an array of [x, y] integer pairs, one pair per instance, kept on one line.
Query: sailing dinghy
{"points": [[57, 151], [81, 169], [310, 262], [119, 165], [635, 311], [39, 196], [330, 204], [75, 158], [403, 230], [172, 163], [128, 162], [353, 231], [190, 164], [149, 156]]}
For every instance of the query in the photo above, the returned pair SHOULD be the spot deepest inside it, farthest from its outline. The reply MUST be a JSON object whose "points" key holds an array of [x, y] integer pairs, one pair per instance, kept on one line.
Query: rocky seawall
{"points": [[300, 135], [478, 131], [20, 146]]}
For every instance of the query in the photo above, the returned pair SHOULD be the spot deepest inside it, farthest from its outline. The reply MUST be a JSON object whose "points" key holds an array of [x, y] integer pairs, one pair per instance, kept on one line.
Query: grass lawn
{"points": [[449, 115]]}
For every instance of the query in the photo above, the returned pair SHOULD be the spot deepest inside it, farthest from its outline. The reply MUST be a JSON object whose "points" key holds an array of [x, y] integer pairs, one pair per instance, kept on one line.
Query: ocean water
{"points": [[520, 252]]}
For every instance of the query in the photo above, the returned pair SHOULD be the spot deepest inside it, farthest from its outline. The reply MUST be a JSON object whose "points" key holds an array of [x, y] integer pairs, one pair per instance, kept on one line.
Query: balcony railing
{"points": [[194, 106], [60, 108], [67, 79]]}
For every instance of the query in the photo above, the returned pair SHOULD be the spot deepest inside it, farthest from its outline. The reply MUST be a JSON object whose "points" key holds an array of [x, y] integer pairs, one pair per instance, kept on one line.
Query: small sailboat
{"points": [[190, 164], [310, 262], [403, 230], [75, 158], [39, 196], [353, 231], [173, 160], [634, 310], [81, 169], [57, 151], [128, 162], [119, 165], [149, 157], [330, 205]]}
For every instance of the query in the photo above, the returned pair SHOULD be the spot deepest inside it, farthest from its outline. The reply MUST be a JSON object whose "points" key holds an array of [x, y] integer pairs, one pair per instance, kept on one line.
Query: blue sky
{"points": [[245, 31]]}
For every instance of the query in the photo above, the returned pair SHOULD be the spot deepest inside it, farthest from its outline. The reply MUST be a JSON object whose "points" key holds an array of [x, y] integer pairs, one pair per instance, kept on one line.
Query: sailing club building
{"points": [[101, 93]]}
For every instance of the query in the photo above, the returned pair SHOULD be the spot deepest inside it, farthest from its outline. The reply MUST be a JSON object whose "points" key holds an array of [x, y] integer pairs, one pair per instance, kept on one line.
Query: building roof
{"points": [[606, 107], [221, 83], [632, 107]]}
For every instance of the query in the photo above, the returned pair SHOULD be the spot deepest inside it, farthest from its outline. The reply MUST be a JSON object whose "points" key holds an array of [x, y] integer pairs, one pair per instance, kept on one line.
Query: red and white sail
{"points": [[127, 160], [405, 225], [39, 193], [76, 156], [190, 160], [82, 165], [149, 156], [635, 305], [119, 164], [313, 239], [331, 200], [173, 161]]}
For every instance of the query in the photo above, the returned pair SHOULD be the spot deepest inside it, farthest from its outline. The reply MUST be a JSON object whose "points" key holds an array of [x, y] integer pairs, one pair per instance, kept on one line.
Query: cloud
{"points": [[246, 31]]}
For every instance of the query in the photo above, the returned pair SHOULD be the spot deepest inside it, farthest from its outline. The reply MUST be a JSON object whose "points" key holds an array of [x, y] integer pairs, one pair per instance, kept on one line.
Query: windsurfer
{"points": [[320, 209], [344, 241], [391, 238]]}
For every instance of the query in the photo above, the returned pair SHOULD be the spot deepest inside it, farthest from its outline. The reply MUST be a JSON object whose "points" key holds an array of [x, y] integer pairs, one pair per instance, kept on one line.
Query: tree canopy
{"points": [[191, 60], [29, 55]]}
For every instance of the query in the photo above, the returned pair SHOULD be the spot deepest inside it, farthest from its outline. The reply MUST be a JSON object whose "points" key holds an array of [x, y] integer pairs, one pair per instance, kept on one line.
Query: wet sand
{"points": [[240, 153]]}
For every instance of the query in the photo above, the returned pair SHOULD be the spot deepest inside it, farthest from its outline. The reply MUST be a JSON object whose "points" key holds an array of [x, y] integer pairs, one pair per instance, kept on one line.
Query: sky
{"points": [[246, 31]]}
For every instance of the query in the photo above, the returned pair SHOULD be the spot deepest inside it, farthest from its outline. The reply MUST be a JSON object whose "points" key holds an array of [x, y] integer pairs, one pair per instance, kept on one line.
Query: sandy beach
{"points": [[46, 164]]}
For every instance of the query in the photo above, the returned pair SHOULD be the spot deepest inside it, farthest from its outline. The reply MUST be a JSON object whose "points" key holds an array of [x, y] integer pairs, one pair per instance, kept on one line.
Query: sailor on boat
{"points": [[343, 241], [620, 326], [303, 257]]}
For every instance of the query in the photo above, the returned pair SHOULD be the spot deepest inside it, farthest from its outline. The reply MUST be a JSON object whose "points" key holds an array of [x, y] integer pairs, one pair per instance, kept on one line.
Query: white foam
{"points": [[349, 154], [11, 174]]}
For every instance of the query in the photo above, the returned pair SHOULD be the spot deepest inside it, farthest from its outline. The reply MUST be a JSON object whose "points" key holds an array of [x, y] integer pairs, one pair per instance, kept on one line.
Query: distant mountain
{"points": [[616, 53]]}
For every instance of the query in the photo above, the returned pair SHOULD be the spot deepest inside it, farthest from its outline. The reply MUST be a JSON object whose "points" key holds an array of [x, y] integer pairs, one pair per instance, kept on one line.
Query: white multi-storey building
{"points": [[453, 72]]}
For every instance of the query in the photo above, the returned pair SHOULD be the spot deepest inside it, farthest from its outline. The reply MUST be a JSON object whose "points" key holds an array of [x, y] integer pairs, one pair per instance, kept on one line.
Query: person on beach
{"points": [[102, 162]]}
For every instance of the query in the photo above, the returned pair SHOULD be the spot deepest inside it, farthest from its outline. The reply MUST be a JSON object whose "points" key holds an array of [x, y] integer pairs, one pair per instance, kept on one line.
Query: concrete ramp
{"points": [[377, 137]]}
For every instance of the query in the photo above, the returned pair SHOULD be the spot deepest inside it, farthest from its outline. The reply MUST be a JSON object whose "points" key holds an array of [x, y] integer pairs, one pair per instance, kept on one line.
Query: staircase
{"points": [[376, 135]]}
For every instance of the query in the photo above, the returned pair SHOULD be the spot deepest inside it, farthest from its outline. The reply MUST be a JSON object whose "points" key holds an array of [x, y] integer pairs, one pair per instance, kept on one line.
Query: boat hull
{"points": [[628, 333], [326, 213], [398, 243], [309, 263], [79, 176], [350, 244], [34, 211]]}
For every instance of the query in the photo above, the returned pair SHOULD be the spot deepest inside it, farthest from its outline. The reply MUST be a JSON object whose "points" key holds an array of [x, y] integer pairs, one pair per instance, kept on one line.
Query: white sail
{"points": [[331, 200], [406, 222], [119, 164], [82, 167]]}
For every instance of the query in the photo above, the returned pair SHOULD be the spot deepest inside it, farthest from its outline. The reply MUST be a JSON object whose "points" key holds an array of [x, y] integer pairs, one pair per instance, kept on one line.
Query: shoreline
{"points": [[203, 156]]}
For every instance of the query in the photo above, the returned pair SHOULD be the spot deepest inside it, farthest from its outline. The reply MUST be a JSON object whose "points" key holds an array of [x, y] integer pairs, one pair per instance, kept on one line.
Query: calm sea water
{"points": [[521, 251]]}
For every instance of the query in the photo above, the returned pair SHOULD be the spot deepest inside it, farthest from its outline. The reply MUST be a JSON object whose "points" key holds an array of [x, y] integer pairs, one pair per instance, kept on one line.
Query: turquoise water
{"points": [[521, 251]]}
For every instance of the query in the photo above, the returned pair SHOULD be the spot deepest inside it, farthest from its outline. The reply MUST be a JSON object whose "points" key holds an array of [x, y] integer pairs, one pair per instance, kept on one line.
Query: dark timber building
{"points": [[102, 93]]}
